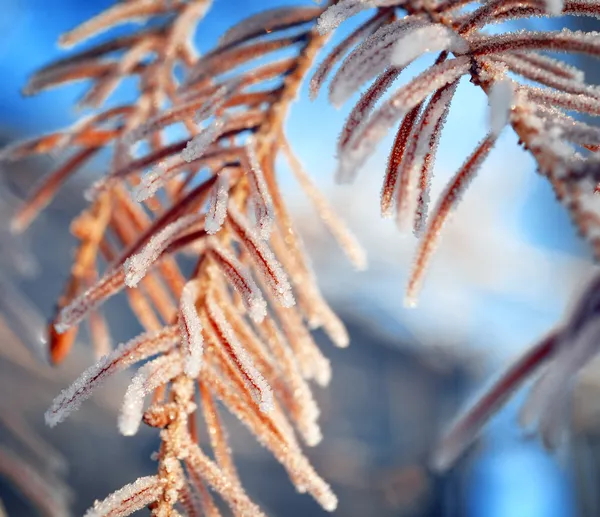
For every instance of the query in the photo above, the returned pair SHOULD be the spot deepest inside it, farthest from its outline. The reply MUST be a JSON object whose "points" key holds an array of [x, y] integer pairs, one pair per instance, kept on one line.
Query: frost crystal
{"points": [[431, 38], [554, 7], [501, 99]]}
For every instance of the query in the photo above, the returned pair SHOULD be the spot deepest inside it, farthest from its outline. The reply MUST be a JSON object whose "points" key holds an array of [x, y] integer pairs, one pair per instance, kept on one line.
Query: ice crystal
{"points": [[501, 101], [217, 210]]}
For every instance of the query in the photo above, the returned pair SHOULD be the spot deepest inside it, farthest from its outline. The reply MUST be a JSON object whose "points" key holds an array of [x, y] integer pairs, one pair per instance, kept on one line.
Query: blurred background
{"points": [[507, 269]]}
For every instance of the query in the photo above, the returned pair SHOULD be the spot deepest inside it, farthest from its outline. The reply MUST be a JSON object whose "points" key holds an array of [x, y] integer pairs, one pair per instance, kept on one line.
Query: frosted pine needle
{"points": [[255, 380], [338, 229], [43, 490], [572, 130], [307, 419], [548, 403], [264, 259], [566, 350], [518, 65], [199, 110], [129, 499], [558, 41], [344, 9], [390, 182], [469, 423], [136, 266], [339, 12], [448, 200], [287, 454], [206, 501], [578, 102], [369, 59], [375, 128], [312, 363], [429, 134], [338, 52], [198, 145], [122, 357], [151, 182], [116, 15], [239, 277], [149, 377], [260, 193], [221, 483], [267, 21], [546, 64], [191, 329], [74, 312], [365, 106], [217, 433]]}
